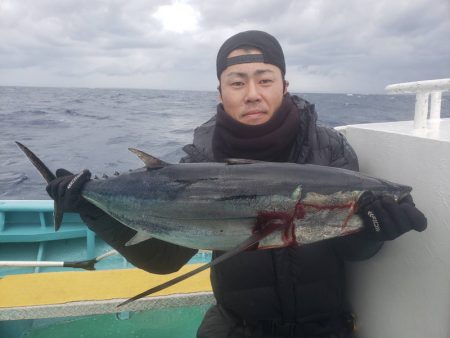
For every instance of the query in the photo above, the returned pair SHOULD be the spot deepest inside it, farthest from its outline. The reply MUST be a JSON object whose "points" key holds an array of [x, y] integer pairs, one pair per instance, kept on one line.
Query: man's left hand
{"points": [[385, 219]]}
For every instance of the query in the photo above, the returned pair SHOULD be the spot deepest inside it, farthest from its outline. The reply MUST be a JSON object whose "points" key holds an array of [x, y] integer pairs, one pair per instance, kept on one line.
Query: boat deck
{"points": [[73, 293]]}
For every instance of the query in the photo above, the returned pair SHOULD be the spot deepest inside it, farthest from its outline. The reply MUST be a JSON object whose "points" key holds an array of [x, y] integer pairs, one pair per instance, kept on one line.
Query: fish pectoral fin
{"points": [[248, 243], [138, 238], [235, 161], [149, 160]]}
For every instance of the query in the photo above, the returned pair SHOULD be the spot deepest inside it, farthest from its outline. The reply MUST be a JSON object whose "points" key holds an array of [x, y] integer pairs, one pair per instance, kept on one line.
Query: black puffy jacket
{"points": [[293, 284], [289, 284]]}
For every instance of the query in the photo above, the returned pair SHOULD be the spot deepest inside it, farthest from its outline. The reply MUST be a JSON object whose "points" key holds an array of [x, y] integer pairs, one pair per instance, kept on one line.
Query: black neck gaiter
{"points": [[269, 141]]}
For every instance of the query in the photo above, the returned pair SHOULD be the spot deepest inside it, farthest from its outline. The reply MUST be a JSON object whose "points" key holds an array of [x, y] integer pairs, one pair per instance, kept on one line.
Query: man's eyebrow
{"points": [[238, 74], [262, 71], [256, 72]]}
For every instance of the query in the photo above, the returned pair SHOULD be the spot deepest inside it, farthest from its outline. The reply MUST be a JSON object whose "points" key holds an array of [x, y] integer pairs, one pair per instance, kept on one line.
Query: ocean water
{"points": [[80, 128]]}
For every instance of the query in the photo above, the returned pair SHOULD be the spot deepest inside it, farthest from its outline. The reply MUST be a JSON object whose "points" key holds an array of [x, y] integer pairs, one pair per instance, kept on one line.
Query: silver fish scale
{"points": [[328, 216], [215, 206], [325, 216]]}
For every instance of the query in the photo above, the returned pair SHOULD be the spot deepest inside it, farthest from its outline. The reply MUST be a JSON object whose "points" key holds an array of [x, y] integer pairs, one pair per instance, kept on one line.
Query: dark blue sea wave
{"points": [[74, 113], [78, 128]]}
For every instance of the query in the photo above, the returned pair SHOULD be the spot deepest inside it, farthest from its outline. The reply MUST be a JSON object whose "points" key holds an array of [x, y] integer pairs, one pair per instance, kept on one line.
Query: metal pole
{"points": [[435, 105], [421, 110]]}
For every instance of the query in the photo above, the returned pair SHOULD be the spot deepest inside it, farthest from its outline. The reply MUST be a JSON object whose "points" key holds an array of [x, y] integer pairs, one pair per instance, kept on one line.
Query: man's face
{"points": [[251, 92]]}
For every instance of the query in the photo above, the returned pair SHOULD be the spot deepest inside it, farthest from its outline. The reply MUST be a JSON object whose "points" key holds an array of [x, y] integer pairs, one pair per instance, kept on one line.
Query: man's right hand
{"points": [[66, 189]]}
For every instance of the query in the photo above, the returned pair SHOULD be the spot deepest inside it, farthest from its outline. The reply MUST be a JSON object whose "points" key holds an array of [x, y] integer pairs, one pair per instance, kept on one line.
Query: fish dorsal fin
{"points": [[149, 160], [234, 161]]}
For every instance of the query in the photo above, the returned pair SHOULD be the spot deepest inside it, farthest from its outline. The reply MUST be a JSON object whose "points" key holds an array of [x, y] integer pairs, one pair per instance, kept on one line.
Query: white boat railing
{"points": [[423, 90]]}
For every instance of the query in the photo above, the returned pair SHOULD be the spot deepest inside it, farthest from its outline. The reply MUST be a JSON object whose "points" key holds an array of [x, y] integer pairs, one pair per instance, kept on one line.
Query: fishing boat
{"points": [[401, 292], [43, 293]]}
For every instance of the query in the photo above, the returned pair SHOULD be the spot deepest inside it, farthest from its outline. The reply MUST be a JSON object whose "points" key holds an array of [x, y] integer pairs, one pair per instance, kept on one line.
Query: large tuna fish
{"points": [[220, 205]]}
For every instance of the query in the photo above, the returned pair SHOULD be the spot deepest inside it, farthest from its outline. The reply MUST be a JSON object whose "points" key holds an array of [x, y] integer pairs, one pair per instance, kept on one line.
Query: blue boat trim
{"points": [[27, 234]]}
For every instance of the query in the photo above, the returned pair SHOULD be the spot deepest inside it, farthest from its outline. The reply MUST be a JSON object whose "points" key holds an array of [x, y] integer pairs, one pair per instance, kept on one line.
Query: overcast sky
{"points": [[330, 45]]}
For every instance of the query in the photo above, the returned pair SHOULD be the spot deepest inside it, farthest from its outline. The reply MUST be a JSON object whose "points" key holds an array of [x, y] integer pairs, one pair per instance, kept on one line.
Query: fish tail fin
{"points": [[48, 175]]}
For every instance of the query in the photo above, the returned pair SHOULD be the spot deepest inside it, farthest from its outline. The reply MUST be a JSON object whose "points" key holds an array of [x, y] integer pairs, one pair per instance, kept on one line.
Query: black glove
{"points": [[66, 190], [385, 219]]}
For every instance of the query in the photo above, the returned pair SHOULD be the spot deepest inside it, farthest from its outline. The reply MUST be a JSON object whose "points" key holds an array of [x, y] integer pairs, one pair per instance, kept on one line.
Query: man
{"points": [[285, 292]]}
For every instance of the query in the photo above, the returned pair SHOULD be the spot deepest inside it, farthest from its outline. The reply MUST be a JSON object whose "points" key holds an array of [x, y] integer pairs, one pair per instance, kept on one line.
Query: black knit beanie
{"points": [[266, 43]]}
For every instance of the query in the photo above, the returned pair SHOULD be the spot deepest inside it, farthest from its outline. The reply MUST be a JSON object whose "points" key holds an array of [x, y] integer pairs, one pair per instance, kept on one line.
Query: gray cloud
{"points": [[330, 46]]}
